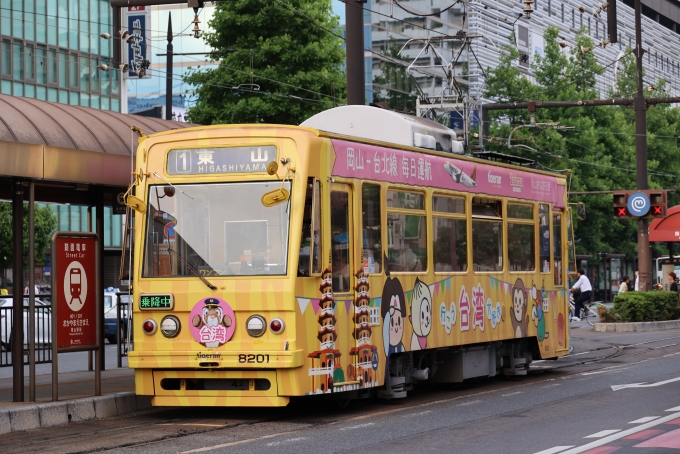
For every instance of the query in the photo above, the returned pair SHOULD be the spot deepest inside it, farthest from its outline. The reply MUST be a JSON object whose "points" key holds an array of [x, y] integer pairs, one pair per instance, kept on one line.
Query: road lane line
{"points": [[603, 433], [512, 394], [411, 415], [621, 434], [674, 409], [554, 450], [358, 426], [468, 403], [643, 420], [239, 442]]}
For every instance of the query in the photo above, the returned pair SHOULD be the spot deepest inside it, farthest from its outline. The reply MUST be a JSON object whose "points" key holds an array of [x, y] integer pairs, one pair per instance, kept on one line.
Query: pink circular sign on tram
{"points": [[212, 322]]}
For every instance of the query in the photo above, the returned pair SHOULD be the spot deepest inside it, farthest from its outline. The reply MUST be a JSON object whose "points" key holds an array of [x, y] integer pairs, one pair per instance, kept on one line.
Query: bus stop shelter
{"points": [[666, 230], [56, 153]]}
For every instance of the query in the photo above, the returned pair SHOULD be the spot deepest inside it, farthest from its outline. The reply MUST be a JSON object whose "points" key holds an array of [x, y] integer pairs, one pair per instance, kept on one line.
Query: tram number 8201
{"points": [[253, 358]]}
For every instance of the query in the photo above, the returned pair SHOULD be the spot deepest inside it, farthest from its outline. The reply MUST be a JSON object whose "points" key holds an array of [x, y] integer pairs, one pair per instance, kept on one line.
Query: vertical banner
{"points": [[138, 49]]}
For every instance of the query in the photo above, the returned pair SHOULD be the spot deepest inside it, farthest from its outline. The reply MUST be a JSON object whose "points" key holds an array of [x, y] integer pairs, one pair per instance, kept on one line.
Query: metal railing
{"points": [[43, 331], [123, 326]]}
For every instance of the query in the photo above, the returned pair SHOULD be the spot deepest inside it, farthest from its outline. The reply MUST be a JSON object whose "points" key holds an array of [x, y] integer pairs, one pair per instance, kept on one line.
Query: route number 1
{"points": [[183, 163]]}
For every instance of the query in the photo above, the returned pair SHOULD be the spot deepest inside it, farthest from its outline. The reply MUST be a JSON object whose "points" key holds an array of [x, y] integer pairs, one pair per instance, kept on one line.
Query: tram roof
{"points": [[49, 141]]}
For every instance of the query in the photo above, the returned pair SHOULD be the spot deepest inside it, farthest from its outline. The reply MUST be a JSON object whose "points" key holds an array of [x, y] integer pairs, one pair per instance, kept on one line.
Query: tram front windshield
{"points": [[217, 229]]}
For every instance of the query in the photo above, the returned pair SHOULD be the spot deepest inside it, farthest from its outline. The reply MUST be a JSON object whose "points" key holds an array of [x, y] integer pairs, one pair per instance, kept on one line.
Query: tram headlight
{"points": [[149, 326], [170, 326], [256, 325], [277, 326]]}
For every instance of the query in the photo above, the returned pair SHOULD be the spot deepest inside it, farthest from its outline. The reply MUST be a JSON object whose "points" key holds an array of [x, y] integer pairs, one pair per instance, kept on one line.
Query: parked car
{"points": [[43, 323], [111, 300]]}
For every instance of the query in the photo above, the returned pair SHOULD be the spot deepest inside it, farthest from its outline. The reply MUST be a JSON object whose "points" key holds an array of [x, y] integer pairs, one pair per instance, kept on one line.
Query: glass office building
{"points": [[50, 50]]}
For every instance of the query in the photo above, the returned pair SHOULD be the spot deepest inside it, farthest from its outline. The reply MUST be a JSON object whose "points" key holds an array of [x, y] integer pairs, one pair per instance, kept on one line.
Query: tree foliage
{"points": [[600, 149], [394, 86], [283, 52], [45, 224]]}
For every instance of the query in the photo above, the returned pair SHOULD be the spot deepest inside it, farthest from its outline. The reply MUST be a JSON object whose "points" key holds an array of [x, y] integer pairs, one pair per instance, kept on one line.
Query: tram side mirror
{"points": [[136, 204], [169, 191], [581, 211], [275, 197], [272, 168]]}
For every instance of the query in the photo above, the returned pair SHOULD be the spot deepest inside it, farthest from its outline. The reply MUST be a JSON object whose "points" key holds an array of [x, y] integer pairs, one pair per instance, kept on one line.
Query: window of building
{"points": [[544, 236], [18, 60], [84, 74], [63, 69], [487, 234], [371, 228], [557, 249], [449, 234], [6, 58], [406, 231], [73, 70], [29, 57], [521, 238], [41, 64]]}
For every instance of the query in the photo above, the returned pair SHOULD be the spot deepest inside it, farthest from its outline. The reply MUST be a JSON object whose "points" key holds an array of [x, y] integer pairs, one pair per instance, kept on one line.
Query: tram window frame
{"points": [[520, 217], [484, 211], [340, 263], [311, 231], [557, 244], [411, 205], [369, 222], [456, 214], [543, 242]]}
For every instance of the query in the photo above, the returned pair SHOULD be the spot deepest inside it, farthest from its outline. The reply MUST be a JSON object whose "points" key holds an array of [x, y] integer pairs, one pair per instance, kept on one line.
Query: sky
{"points": [[339, 9]]}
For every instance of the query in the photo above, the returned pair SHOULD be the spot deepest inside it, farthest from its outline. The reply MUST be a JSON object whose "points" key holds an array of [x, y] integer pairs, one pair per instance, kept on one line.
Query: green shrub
{"points": [[644, 307]]}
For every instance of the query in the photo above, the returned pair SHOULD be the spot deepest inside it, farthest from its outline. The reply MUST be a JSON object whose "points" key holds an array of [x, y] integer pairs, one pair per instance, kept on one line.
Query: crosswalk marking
{"points": [[554, 450], [643, 420], [603, 433]]}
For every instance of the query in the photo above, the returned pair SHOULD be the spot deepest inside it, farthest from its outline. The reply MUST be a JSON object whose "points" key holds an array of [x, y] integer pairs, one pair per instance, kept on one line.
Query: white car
{"points": [[43, 323]]}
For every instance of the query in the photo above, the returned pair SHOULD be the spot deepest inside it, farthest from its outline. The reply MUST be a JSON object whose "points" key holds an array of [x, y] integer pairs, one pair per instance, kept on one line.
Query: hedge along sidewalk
{"points": [[636, 326], [635, 307], [27, 416]]}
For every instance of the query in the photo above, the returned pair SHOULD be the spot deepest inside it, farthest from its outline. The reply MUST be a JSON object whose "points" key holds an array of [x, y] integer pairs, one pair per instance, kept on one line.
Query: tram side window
{"points": [[487, 234], [340, 241], [557, 248], [310, 246], [544, 238], [521, 238], [370, 213], [449, 233], [406, 231]]}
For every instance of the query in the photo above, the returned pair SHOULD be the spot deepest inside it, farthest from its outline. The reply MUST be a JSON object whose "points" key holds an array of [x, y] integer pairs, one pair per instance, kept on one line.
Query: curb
{"points": [[41, 415], [638, 326]]}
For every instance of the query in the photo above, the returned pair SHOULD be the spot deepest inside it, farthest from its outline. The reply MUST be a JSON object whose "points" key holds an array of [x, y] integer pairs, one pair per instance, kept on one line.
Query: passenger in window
{"points": [[411, 261]]}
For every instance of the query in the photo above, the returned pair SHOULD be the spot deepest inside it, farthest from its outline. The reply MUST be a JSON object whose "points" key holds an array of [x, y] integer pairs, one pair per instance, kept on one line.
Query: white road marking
{"points": [[512, 394], [603, 433], [418, 414], [644, 384], [621, 434], [550, 386], [290, 440], [604, 371], [674, 409], [472, 402], [643, 420], [554, 450], [358, 426]]}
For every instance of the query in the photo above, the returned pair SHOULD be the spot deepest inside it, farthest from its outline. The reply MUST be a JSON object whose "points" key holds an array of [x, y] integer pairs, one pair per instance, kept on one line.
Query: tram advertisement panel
{"points": [[74, 291], [354, 160]]}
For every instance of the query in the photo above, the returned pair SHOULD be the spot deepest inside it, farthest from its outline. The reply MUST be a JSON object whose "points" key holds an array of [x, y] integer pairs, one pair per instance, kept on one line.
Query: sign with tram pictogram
{"points": [[75, 290]]}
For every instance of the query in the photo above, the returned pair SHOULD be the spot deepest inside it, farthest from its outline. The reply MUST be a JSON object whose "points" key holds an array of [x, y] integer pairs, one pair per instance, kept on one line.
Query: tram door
{"points": [[342, 266]]}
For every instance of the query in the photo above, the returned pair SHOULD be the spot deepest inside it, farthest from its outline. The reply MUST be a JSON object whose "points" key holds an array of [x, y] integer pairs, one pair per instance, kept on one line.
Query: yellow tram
{"points": [[357, 253]]}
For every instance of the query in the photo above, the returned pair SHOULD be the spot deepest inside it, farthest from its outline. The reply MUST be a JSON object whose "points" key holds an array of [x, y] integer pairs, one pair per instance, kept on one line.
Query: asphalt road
{"points": [[563, 406]]}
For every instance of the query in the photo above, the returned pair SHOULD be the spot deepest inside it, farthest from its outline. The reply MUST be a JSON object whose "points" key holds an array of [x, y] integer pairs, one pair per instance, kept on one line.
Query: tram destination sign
{"points": [[206, 161], [149, 302]]}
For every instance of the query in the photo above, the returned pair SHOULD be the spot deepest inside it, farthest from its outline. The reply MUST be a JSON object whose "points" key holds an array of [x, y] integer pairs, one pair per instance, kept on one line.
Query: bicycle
{"points": [[588, 313]]}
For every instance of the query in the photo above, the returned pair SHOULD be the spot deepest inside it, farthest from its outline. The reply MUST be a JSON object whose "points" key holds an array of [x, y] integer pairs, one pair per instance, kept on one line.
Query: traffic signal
{"points": [[658, 202], [620, 210], [640, 204]]}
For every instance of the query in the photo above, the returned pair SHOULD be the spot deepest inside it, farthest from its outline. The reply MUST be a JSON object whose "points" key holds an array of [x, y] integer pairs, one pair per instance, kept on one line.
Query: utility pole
{"points": [[168, 72], [354, 50], [640, 107]]}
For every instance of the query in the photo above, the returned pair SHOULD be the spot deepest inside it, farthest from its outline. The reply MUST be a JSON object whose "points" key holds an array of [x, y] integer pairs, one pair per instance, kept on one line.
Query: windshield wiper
{"points": [[205, 281]]}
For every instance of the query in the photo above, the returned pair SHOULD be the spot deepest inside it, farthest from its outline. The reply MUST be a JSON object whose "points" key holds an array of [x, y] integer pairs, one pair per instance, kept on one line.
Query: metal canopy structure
{"points": [[61, 154], [666, 230]]}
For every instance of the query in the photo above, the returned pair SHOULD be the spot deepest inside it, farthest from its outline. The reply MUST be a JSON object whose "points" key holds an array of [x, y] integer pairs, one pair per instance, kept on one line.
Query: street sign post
{"points": [[76, 299]]}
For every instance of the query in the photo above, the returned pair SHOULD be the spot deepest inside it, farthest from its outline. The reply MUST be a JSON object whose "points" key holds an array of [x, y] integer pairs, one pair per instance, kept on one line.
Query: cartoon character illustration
{"points": [[537, 314], [519, 309], [211, 324], [392, 310], [364, 348], [461, 177], [421, 315], [560, 329]]}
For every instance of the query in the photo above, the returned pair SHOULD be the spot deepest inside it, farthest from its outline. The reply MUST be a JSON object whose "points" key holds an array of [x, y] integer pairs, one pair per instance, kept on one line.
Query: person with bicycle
{"points": [[582, 284]]}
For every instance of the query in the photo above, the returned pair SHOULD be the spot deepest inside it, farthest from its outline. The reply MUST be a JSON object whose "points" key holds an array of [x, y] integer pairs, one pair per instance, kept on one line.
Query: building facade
{"points": [[50, 50]]}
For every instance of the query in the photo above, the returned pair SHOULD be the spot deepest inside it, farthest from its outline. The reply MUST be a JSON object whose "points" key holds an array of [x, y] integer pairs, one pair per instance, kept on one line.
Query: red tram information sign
{"points": [[75, 290]]}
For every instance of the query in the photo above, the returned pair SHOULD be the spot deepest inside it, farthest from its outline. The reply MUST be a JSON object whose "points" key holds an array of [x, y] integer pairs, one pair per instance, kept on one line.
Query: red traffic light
{"points": [[657, 210], [621, 211]]}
